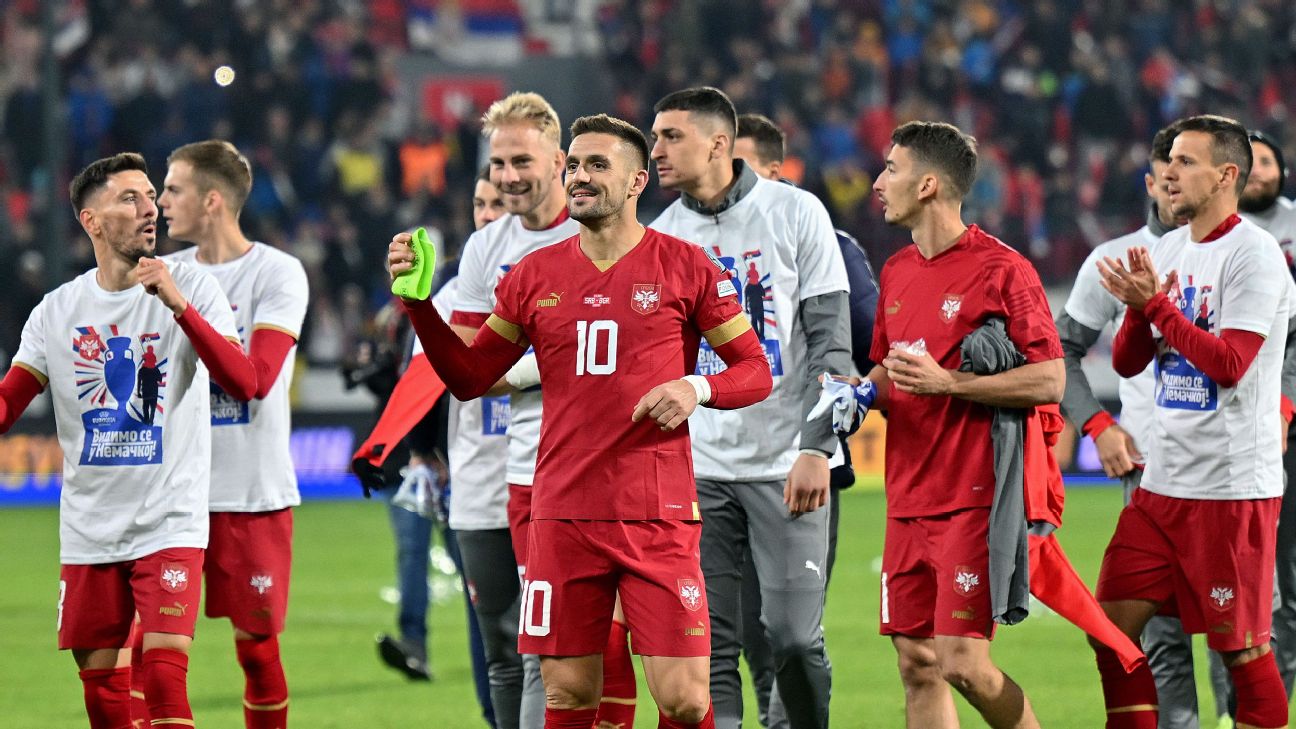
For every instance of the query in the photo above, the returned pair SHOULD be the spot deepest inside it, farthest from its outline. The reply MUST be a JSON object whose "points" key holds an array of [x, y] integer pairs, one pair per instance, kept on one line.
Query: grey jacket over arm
{"points": [[1078, 401], [826, 321]]}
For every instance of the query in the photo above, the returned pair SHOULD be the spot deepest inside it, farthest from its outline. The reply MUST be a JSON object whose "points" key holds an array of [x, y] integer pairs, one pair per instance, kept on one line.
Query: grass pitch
{"points": [[344, 560]]}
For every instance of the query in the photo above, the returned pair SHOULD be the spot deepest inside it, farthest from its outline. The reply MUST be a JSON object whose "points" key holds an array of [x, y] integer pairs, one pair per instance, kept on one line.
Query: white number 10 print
{"points": [[591, 347]]}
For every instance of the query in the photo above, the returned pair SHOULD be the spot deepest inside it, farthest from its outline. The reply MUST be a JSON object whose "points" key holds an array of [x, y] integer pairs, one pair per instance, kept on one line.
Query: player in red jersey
{"points": [[939, 454], [615, 315]]}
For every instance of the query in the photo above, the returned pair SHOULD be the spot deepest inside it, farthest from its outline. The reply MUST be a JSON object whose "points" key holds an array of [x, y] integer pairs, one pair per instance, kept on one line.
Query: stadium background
{"points": [[361, 119]]}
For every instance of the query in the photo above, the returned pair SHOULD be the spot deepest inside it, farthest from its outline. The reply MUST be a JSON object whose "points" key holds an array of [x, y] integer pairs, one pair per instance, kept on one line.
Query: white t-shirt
{"points": [[130, 403], [1280, 222], [1210, 441], [487, 256], [478, 448], [252, 470], [779, 245], [1093, 306]]}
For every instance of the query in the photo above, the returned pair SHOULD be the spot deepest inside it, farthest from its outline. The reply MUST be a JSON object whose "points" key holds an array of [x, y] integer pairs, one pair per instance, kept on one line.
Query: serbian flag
{"points": [[416, 392], [1052, 579]]}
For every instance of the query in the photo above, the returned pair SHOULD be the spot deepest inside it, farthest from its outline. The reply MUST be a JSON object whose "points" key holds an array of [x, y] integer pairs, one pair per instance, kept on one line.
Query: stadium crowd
{"points": [[716, 538], [1062, 95]]}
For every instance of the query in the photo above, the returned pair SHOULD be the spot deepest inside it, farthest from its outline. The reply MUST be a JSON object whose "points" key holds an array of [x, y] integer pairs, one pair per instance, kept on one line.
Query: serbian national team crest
{"points": [[1222, 596], [690, 593], [175, 577], [645, 298], [950, 307], [261, 583], [89, 346], [967, 581]]}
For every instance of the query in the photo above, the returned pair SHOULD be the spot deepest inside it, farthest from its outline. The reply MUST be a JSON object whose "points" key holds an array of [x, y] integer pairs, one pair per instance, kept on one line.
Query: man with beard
{"points": [[133, 512], [1089, 310], [1262, 203], [1199, 534], [615, 315], [525, 163]]}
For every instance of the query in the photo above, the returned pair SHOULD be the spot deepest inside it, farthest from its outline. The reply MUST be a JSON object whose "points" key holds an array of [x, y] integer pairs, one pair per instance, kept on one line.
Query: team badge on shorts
{"points": [[690, 593], [175, 577], [261, 583], [645, 298], [966, 581], [1222, 596], [950, 307]]}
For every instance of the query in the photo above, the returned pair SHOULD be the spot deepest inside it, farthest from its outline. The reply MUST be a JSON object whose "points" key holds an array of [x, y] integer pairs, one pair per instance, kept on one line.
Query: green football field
{"points": [[344, 563]]}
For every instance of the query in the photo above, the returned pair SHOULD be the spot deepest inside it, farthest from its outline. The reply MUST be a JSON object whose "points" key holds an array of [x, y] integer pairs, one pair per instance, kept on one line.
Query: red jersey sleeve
{"points": [[1030, 322], [509, 296], [717, 299], [881, 342], [468, 319]]}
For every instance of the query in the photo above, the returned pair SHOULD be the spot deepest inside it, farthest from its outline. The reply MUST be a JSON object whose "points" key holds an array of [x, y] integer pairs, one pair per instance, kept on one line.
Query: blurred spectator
{"points": [[1055, 91]]}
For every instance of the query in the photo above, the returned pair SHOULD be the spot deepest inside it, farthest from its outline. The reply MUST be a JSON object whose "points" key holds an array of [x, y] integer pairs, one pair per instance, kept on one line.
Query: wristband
{"points": [[1101, 421], [701, 387], [525, 373]]}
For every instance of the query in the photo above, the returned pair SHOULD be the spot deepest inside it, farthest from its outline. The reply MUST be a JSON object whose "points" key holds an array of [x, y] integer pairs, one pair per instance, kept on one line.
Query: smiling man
{"points": [[620, 335], [133, 511]]}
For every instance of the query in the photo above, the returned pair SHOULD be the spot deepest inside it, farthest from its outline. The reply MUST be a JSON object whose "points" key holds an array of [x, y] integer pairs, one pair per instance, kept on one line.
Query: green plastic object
{"points": [[416, 283]]}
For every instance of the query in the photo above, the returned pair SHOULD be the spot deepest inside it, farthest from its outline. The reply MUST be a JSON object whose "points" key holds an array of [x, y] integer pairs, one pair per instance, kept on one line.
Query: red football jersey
{"points": [[602, 340], [939, 457]]}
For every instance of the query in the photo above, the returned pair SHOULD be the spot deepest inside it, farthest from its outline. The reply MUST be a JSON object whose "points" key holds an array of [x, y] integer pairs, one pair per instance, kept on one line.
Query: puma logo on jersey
{"points": [[175, 610], [812, 566], [893, 309], [553, 299]]}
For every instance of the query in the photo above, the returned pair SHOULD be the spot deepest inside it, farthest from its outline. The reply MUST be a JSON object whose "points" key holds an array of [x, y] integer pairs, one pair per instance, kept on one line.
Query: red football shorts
{"points": [[519, 517], [1209, 562], [935, 576], [97, 602], [249, 560], [577, 569]]}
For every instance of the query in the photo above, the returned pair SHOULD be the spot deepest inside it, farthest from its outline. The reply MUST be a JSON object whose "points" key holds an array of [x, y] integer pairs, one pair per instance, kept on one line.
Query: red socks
{"points": [[139, 712], [1261, 700], [569, 718], [165, 675], [265, 694], [107, 697], [617, 708], [708, 721], [1131, 698]]}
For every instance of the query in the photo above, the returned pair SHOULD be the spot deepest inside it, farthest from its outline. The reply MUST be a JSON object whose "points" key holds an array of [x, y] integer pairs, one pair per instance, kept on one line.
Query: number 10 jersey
{"points": [[605, 333]]}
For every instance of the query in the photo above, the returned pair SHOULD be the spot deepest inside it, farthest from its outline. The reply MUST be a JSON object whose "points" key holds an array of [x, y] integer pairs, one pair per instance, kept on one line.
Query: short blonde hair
{"points": [[524, 107]]}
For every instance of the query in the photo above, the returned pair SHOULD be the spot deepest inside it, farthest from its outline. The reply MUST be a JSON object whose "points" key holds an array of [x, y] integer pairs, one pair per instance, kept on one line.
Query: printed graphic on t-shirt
{"points": [[495, 415], [121, 385], [756, 296], [225, 410], [1180, 385]]}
